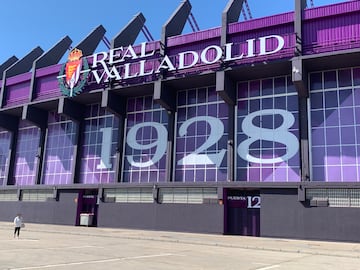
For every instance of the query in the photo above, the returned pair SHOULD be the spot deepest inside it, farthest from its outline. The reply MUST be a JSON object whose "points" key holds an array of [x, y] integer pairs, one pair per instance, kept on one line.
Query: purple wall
{"points": [[282, 215], [332, 28], [201, 218], [46, 84], [17, 90]]}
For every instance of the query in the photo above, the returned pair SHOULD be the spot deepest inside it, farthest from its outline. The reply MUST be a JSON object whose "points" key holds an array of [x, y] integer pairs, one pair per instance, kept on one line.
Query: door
{"points": [[242, 212], [87, 205]]}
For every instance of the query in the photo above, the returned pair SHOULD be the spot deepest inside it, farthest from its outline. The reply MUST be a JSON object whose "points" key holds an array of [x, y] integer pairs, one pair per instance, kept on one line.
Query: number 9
{"points": [[160, 144]]}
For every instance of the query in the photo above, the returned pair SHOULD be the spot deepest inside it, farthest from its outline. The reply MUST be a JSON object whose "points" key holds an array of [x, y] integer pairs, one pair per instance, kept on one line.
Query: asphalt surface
{"points": [[68, 247]]}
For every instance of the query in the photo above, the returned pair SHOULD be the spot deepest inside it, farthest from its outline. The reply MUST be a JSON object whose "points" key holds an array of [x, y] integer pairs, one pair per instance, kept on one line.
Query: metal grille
{"points": [[187, 195], [339, 197], [129, 195], [8, 195], [36, 195]]}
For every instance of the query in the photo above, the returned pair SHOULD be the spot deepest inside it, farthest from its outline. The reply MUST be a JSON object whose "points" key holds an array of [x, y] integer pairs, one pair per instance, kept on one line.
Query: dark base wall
{"points": [[62, 212], [197, 218], [282, 215]]}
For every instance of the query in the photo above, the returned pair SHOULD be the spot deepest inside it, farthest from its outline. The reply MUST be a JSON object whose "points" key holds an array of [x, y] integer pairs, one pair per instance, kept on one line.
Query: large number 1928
{"points": [[200, 156]]}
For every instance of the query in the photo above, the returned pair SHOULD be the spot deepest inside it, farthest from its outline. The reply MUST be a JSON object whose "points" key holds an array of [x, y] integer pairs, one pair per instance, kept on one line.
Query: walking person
{"points": [[18, 223]]}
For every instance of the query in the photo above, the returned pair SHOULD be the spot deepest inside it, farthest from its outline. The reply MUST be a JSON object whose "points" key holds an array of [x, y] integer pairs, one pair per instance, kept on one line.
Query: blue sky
{"points": [[28, 24]]}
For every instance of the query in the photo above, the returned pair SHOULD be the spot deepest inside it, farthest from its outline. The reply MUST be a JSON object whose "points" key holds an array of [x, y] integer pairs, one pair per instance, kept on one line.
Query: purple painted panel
{"points": [[282, 30], [17, 94], [47, 85], [270, 22], [200, 36], [55, 69], [17, 90], [332, 10], [332, 28], [194, 46], [47, 88], [18, 79]]}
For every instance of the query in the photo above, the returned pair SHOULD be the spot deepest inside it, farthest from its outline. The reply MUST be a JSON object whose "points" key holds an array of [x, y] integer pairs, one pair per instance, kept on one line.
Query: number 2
{"points": [[216, 132]]}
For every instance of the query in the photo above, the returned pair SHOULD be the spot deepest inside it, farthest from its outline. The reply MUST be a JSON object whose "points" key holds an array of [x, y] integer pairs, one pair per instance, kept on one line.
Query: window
{"points": [[129, 195], [8, 195], [37, 195], [187, 195], [339, 197]]}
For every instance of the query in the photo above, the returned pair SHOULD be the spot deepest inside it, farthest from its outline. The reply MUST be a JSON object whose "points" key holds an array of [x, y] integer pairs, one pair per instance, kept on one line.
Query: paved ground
{"points": [[66, 247]]}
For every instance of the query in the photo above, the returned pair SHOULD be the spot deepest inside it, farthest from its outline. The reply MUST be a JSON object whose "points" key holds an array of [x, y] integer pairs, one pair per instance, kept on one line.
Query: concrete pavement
{"points": [[68, 247]]}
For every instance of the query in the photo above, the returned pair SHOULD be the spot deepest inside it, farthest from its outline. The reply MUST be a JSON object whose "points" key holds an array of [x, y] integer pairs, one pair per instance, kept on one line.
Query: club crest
{"points": [[73, 74]]}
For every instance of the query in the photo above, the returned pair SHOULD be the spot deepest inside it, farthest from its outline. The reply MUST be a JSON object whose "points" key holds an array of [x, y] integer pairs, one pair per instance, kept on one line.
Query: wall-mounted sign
{"points": [[246, 201], [125, 63]]}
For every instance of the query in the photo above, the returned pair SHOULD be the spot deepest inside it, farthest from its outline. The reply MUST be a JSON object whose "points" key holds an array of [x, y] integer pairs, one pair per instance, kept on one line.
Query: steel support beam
{"points": [[51, 57], [12, 60], [230, 14], [89, 44], [127, 36], [71, 109], [166, 97], [175, 24]]}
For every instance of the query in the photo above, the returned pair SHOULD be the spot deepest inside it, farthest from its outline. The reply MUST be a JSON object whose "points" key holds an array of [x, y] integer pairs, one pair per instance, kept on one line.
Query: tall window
{"points": [[59, 152], [201, 136], [268, 131], [99, 146], [5, 140], [26, 154], [335, 125], [146, 141]]}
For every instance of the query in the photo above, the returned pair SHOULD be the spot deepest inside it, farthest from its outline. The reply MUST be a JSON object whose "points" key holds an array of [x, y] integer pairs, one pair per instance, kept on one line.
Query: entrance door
{"points": [[87, 206], [242, 214]]}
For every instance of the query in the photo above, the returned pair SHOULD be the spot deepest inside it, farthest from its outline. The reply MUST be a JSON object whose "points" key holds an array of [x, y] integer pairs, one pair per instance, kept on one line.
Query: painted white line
{"points": [[268, 267], [91, 262]]}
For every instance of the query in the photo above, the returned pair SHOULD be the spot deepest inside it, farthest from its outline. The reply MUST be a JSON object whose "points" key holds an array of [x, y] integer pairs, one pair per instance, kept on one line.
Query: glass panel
{"points": [[334, 128], [145, 149], [262, 124], [201, 138]]}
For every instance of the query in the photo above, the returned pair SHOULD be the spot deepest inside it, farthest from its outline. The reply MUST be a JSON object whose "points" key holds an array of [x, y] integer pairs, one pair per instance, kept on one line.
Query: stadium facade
{"points": [[251, 128]]}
